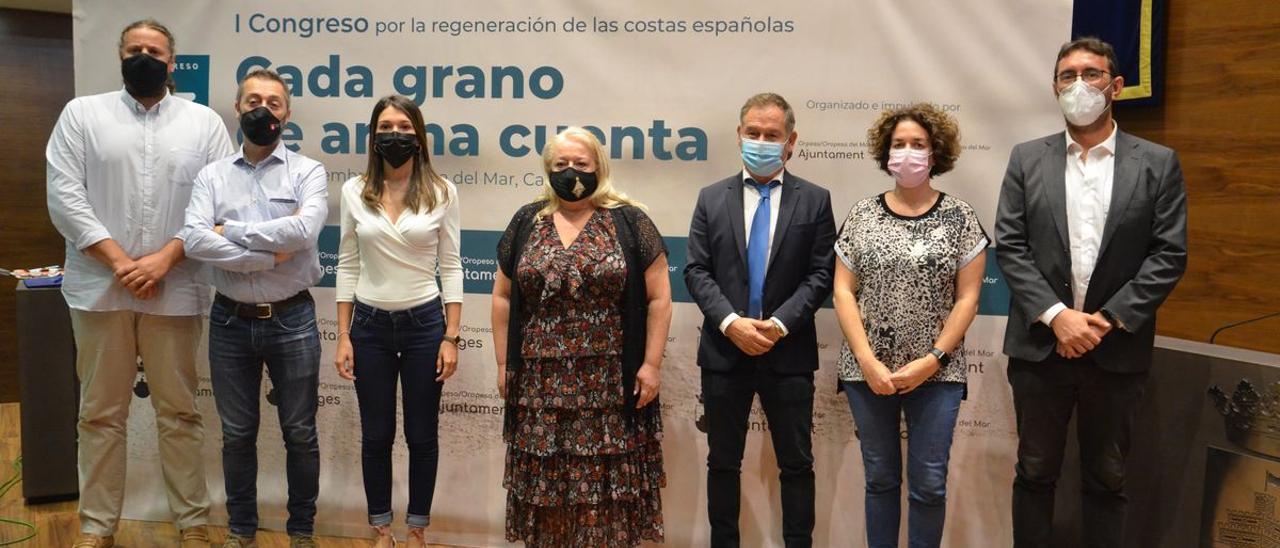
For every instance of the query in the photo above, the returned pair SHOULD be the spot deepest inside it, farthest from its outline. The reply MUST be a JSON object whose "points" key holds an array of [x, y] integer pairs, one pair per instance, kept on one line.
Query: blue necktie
{"points": [[758, 250]]}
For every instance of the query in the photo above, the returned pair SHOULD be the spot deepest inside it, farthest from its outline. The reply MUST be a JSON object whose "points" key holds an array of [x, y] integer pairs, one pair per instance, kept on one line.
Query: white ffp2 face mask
{"points": [[1082, 103]]}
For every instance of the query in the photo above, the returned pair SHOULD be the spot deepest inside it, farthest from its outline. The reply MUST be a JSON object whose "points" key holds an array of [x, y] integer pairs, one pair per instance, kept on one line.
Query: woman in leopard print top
{"points": [[906, 290]]}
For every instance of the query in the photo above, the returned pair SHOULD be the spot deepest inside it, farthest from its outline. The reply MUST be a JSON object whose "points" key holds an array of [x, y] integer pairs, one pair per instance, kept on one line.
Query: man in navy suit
{"points": [[1091, 235], [760, 262]]}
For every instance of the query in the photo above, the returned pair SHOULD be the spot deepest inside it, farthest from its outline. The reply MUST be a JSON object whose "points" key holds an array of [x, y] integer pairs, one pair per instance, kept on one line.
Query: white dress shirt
{"points": [[392, 266], [276, 206], [120, 171], [1088, 194], [751, 202]]}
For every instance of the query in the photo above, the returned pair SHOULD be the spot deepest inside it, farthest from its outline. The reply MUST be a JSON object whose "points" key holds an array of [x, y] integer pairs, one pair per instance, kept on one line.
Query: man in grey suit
{"points": [[1091, 237]]}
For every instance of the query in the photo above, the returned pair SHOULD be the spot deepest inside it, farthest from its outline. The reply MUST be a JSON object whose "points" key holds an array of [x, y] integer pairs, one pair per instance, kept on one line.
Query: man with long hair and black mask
{"points": [[255, 218], [120, 170]]}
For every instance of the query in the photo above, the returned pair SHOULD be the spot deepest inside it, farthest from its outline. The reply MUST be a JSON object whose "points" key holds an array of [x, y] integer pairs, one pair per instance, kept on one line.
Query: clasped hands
{"points": [[907, 378], [752, 337], [142, 276], [1078, 333]]}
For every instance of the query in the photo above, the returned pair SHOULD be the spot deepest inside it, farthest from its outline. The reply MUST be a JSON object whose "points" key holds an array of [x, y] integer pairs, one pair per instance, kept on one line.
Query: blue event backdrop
{"points": [[479, 247]]}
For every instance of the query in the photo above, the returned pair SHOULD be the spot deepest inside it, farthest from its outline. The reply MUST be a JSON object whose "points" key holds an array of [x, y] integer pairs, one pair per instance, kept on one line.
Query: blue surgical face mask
{"points": [[763, 158]]}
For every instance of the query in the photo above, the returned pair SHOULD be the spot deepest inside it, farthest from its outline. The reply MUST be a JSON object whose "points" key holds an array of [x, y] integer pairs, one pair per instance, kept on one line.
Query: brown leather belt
{"points": [[262, 311]]}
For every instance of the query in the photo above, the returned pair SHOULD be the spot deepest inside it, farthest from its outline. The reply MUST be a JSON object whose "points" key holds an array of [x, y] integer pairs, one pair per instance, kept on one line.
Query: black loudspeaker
{"points": [[49, 393]]}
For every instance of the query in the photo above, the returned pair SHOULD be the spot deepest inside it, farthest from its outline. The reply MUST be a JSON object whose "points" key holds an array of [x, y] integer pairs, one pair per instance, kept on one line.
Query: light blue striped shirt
{"points": [[277, 206]]}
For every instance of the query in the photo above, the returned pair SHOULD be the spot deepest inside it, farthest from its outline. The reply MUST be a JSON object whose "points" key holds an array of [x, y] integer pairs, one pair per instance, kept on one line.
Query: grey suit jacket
{"points": [[1142, 256]]}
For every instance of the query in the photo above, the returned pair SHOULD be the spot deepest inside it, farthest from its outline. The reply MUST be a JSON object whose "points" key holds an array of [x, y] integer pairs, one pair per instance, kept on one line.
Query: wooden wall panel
{"points": [[1222, 114], [36, 80]]}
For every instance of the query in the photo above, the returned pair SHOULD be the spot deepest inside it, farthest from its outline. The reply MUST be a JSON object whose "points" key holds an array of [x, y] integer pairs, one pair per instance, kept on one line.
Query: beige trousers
{"points": [[108, 345]]}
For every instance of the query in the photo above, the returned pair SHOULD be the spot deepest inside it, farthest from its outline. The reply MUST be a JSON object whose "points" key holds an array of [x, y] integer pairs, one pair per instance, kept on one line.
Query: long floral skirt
{"points": [[577, 473]]}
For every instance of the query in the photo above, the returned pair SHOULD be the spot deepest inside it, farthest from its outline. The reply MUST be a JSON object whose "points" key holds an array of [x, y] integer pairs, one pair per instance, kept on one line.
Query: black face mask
{"points": [[395, 147], [572, 185], [260, 126], [144, 75]]}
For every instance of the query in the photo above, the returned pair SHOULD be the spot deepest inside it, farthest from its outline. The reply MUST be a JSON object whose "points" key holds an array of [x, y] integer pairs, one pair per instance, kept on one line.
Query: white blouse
{"points": [[392, 266]]}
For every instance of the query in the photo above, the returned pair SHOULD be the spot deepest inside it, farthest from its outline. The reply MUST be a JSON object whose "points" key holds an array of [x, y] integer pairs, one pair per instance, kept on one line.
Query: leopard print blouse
{"points": [[906, 269]]}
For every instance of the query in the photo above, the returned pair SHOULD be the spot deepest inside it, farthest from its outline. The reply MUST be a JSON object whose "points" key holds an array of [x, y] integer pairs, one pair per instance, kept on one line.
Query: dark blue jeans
{"points": [[787, 401], [931, 411], [289, 345], [391, 345]]}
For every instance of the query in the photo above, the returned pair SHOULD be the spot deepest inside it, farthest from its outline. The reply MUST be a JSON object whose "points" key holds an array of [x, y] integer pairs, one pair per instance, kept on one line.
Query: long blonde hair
{"points": [[605, 196]]}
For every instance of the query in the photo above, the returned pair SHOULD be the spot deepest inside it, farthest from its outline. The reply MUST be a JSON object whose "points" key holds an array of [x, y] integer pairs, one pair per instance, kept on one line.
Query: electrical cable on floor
{"points": [[4, 488]]}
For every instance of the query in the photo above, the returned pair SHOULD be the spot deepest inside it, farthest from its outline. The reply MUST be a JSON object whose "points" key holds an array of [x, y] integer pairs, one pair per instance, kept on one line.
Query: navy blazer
{"points": [[797, 280]]}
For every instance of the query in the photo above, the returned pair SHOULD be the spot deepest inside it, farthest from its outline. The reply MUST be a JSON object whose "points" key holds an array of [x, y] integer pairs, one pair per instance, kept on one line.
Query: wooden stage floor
{"points": [[58, 525]]}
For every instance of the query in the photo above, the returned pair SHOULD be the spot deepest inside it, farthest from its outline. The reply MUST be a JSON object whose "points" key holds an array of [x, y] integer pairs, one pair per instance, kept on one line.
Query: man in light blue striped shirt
{"points": [[255, 218]]}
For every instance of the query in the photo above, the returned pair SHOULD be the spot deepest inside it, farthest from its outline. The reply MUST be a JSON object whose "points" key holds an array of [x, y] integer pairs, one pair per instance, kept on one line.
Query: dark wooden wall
{"points": [[1222, 114], [36, 80]]}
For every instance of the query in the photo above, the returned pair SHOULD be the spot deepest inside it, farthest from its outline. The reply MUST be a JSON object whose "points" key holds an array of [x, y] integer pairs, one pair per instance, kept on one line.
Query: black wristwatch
{"points": [[943, 357]]}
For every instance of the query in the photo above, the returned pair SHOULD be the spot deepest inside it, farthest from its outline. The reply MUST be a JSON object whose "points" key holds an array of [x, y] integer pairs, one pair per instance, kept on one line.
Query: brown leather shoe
{"points": [[94, 541], [195, 537]]}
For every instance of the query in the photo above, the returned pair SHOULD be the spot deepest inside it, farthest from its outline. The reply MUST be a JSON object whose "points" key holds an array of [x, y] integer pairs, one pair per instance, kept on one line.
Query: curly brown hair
{"points": [[944, 135]]}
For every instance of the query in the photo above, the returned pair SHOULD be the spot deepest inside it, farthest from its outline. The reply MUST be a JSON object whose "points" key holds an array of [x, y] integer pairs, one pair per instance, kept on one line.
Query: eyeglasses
{"points": [[1090, 76]]}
